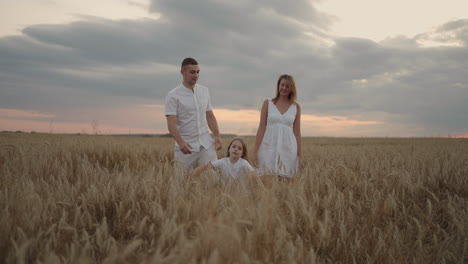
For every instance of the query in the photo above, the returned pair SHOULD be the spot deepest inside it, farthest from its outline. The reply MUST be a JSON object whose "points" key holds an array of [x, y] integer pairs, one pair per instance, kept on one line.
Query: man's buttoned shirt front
{"points": [[190, 107]]}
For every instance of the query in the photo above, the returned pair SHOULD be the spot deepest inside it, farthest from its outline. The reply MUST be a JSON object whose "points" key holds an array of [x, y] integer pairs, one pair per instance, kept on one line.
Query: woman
{"points": [[278, 148]]}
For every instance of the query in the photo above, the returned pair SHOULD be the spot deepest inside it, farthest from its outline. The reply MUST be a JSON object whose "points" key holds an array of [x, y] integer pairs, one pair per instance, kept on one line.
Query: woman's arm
{"points": [[260, 131], [297, 133]]}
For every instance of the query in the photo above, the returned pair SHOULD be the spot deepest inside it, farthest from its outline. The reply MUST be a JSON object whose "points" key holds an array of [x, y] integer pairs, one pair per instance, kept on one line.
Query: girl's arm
{"points": [[254, 176], [195, 172], [297, 133], [260, 131]]}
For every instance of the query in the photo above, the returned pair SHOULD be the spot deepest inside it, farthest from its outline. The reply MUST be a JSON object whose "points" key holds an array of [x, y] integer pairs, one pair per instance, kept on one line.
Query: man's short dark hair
{"points": [[189, 61]]}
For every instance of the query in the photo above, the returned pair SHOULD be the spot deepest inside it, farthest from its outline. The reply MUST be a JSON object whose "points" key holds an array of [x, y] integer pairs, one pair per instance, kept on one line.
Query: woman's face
{"points": [[284, 89]]}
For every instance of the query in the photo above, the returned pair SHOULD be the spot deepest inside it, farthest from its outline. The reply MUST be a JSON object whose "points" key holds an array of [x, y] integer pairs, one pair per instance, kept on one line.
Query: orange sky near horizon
{"points": [[150, 119], [240, 122]]}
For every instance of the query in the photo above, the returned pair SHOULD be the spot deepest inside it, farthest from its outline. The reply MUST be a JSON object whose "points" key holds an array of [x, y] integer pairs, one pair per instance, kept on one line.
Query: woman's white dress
{"points": [[277, 154]]}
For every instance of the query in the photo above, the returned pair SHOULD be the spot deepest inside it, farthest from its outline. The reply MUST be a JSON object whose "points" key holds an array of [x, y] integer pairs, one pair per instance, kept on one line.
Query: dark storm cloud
{"points": [[450, 32], [110, 42], [426, 87], [52, 61], [243, 46], [215, 35], [238, 15]]}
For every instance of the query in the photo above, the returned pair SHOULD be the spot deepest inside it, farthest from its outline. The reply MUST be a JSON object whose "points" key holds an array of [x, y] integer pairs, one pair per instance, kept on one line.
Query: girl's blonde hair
{"points": [[292, 84], [244, 147]]}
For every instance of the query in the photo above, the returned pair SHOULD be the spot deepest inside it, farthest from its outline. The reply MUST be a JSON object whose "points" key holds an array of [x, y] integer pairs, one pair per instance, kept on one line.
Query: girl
{"points": [[234, 165]]}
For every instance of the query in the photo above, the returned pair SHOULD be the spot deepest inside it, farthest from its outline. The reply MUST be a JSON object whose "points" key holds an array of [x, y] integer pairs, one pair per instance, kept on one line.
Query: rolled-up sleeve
{"points": [[208, 106], [171, 105]]}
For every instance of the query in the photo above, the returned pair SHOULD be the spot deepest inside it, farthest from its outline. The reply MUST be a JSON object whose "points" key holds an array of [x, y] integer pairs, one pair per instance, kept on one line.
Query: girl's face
{"points": [[284, 88], [236, 150]]}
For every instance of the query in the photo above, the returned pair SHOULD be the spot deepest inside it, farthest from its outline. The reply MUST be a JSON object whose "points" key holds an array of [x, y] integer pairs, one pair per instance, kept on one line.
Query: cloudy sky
{"points": [[363, 68]]}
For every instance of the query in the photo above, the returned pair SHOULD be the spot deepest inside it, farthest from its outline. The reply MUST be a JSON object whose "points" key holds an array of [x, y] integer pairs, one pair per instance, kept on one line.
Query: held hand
{"points": [[185, 148], [300, 164], [255, 160], [218, 143]]}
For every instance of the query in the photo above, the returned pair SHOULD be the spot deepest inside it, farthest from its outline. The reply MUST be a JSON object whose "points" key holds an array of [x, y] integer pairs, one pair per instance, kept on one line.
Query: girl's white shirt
{"points": [[232, 170]]}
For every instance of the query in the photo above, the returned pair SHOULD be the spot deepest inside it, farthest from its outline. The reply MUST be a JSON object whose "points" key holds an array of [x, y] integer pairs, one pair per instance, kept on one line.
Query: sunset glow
{"points": [[240, 122], [17, 113]]}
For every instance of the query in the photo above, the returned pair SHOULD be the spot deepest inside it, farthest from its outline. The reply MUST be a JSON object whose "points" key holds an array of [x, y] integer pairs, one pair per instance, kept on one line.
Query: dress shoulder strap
{"points": [[294, 105], [268, 105]]}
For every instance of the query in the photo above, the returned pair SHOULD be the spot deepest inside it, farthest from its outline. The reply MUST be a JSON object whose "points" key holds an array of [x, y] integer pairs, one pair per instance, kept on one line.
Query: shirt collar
{"points": [[187, 90], [234, 164]]}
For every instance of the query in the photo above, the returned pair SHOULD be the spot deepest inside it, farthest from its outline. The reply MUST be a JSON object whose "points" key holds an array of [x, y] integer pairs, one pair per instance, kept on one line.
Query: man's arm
{"points": [[172, 127], [213, 125]]}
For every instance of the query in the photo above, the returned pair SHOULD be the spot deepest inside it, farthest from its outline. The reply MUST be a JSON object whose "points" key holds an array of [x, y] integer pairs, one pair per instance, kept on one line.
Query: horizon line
{"points": [[225, 135]]}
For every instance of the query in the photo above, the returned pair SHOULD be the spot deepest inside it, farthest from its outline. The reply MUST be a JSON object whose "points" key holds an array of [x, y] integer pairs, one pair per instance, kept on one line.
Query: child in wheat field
{"points": [[234, 165]]}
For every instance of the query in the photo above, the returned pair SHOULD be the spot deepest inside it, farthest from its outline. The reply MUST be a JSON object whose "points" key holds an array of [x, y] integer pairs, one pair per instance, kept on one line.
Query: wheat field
{"points": [[103, 199]]}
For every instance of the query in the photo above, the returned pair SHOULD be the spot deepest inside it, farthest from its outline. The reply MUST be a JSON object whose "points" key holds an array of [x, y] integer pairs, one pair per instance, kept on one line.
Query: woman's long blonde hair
{"points": [[292, 84]]}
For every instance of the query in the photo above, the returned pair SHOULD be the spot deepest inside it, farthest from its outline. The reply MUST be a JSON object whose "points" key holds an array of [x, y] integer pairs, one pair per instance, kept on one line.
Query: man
{"points": [[189, 115]]}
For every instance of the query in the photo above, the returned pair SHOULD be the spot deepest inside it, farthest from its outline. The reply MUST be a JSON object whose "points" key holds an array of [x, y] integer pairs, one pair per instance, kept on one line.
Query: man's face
{"points": [[190, 74]]}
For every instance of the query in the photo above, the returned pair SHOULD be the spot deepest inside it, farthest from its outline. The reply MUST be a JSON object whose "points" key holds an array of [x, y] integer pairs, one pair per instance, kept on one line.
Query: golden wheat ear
{"points": [[103, 199]]}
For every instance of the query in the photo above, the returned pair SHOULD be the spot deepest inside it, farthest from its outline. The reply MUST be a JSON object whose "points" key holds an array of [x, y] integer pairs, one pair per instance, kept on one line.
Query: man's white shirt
{"points": [[190, 109]]}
